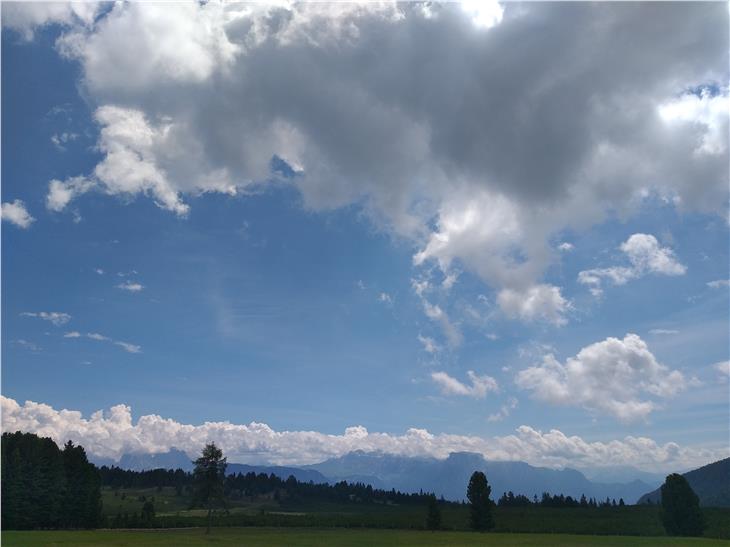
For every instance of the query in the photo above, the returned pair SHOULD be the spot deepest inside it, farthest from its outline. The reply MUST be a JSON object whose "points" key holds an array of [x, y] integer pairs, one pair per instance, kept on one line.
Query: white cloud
{"points": [[610, 377], [539, 302], [429, 344], [438, 315], [99, 271], [645, 255], [199, 97], [449, 280], [30, 346], [566, 247], [719, 283], [114, 432], [484, 13], [480, 385], [723, 368], [16, 213], [130, 286], [385, 298], [663, 331], [59, 140], [126, 346], [55, 317], [26, 17], [60, 193], [504, 411], [420, 286], [129, 348], [706, 110]]}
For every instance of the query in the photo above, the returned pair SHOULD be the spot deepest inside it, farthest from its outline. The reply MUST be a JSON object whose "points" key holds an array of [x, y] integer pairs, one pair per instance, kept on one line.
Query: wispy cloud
{"points": [[478, 388], [504, 411], [130, 286], [126, 346], [55, 317]]}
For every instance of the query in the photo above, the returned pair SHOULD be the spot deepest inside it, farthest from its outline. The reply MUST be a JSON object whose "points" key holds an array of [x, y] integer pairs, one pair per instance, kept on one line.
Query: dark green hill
{"points": [[711, 483]]}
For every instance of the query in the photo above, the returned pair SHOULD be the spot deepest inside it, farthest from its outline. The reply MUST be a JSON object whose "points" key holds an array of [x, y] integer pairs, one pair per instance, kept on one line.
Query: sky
{"points": [[304, 229]]}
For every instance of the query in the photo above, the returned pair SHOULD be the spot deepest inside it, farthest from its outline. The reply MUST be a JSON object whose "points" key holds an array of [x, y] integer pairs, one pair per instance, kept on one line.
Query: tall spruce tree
{"points": [[480, 505], [209, 476], [433, 516], [681, 513]]}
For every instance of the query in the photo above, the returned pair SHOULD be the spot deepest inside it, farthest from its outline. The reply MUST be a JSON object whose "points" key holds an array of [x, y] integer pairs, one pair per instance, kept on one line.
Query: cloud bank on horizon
{"points": [[113, 433]]}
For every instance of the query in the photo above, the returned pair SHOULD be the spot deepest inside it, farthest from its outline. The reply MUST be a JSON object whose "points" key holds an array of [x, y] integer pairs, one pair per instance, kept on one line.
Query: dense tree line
{"points": [[509, 499], [46, 487], [252, 485], [116, 477]]}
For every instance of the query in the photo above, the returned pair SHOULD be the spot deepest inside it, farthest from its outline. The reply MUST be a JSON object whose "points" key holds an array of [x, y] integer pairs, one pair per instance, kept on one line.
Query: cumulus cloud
{"points": [[718, 283], [493, 145], [611, 377], [55, 317], [16, 213], [645, 255], [478, 388], [113, 432], [130, 286]]}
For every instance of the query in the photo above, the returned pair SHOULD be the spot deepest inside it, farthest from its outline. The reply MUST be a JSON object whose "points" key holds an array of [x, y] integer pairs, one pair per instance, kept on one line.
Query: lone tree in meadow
{"points": [[433, 517], [681, 513], [480, 505], [208, 476]]}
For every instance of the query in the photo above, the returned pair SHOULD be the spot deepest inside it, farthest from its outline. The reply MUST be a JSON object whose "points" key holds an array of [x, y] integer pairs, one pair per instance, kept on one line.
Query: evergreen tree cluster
{"points": [[45, 487], [252, 486], [509, 499]]}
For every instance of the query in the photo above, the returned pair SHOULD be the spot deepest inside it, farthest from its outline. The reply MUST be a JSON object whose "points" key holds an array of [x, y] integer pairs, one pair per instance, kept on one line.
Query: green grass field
{"points": [[310, 537], [173, 512]]}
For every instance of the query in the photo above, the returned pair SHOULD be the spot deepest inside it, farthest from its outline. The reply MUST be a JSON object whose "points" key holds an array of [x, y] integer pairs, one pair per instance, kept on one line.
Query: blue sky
{"points": [[290, 280]]}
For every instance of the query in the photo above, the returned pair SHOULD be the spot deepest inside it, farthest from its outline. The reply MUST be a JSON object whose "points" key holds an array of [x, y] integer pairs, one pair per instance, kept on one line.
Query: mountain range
{"points": [[447, 477]]}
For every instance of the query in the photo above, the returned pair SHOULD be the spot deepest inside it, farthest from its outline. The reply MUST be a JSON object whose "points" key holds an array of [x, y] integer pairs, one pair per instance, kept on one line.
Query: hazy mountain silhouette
{"points": [[449, 477], [173, 459], [711, 483]]}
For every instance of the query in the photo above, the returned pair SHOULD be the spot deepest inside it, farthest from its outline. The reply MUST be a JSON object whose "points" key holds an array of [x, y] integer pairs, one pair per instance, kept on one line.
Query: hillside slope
{"points": [[711, 483]]}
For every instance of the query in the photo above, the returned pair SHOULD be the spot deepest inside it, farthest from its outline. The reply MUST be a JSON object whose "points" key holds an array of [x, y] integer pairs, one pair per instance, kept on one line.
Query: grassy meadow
{"points": [[172, 512], [310, 537]]}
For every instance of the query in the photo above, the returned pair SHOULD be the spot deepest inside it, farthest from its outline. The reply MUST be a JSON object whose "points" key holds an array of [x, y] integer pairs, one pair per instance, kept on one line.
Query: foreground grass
{"points": [[310, 537]]}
